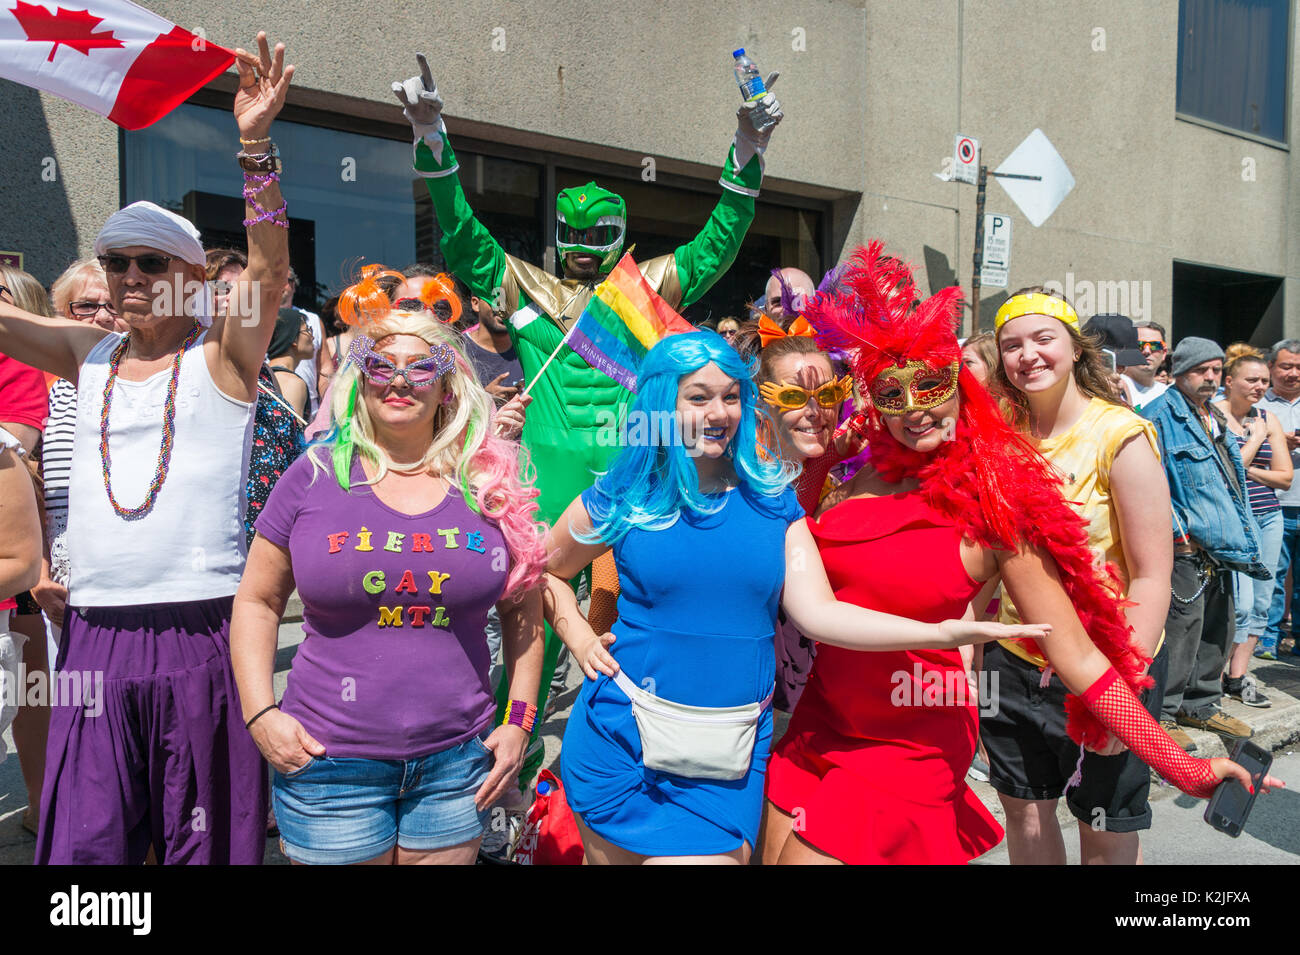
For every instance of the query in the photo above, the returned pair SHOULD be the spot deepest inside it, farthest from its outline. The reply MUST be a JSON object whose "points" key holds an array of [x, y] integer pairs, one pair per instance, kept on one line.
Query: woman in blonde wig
{"points": [[400, 529]]}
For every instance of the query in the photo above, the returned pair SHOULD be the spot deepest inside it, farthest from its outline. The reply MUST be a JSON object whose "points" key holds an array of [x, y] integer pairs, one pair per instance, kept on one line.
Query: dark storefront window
{"points": [[1232, 64], [349, 195], [1225, 305], [354, 199], [506, 196]]}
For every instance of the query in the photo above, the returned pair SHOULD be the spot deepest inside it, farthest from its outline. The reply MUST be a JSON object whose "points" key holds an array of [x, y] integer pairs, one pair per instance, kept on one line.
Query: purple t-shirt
{"points": [[395, 662]]}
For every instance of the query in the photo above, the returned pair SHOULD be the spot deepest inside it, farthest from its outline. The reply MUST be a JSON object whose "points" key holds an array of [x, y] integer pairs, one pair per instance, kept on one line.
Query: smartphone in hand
{"points": [[1230, 805]]}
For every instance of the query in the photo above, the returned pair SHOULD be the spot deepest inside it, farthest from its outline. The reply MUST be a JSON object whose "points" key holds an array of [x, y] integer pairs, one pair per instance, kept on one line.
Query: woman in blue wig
{"points": [[665, 751]]}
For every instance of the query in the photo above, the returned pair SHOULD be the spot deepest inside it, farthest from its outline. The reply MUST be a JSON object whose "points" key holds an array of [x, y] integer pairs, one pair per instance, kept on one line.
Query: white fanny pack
{"points": [[698, 742]]}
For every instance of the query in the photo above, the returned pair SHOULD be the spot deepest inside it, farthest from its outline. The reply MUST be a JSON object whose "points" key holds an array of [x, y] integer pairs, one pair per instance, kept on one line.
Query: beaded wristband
{"points": [[521, 714], [262, 181], [249, 142], [269, 215]]}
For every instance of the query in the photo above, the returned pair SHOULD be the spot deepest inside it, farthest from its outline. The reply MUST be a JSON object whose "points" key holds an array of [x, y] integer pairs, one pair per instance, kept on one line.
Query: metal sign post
{"points": [[1041, 203], [978, 263]]}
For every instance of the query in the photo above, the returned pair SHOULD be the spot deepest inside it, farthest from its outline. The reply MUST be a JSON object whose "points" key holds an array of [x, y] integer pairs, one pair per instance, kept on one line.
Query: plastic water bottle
{"points": [[750, 81], [748, 77]]}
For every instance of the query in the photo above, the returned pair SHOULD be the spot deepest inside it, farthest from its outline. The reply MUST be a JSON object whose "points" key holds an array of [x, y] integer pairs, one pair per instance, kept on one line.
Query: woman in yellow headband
{"points": [[1052, 376]]}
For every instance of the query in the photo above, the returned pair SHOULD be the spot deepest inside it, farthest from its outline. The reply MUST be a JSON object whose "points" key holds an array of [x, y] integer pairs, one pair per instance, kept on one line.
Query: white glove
{"points": [[755, 121], [422, 107]]}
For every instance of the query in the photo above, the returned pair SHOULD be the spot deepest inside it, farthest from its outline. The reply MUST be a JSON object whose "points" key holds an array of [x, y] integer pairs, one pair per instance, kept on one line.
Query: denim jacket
{"points": [[1209, 501]]}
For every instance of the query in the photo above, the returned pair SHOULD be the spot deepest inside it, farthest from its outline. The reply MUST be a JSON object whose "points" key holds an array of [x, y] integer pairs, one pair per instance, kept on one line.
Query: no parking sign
{"points": [[965, 159]]}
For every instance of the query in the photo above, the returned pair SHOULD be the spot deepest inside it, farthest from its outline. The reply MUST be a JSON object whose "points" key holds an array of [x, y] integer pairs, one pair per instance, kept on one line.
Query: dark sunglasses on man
{"points": [[151, 263]]}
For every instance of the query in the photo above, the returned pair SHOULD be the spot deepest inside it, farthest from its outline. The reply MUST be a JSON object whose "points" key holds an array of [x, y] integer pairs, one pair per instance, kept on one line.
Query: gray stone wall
{"points": [[874, 92]]}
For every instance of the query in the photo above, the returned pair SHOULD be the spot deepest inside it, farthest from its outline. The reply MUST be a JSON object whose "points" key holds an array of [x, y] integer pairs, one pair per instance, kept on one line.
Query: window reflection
{"points": [[1232, 64], [353, 198], [348, 194]]}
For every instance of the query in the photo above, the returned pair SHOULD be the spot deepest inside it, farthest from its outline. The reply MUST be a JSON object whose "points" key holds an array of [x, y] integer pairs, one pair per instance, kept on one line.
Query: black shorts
{"points": [[27, 605], [1031, 757]]}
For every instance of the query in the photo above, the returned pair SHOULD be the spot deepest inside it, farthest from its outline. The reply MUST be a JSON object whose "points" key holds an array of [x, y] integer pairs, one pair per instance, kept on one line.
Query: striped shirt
{"points": [[1262, 497], [56, 466], [1288, 412]]}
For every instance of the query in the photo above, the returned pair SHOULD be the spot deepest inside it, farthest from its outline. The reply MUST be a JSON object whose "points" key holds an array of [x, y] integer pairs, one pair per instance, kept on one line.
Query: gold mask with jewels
{"points": [[914, 386]]}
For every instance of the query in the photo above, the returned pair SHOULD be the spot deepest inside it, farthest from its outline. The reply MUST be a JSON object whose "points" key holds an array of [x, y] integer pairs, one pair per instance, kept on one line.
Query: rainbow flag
{"points": [[624, 319]]}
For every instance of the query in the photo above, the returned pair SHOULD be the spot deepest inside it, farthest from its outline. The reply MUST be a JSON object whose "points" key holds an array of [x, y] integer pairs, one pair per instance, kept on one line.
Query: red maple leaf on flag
{"points": [[72, 28]]}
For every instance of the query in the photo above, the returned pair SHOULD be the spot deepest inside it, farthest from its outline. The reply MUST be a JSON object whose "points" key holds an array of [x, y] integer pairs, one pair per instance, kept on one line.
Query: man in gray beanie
{"points": [[1193, 351], [1214, 534]]}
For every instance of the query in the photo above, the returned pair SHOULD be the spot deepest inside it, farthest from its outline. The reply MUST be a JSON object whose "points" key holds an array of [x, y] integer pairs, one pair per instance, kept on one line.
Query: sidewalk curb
{"points": [[1274, 727]]}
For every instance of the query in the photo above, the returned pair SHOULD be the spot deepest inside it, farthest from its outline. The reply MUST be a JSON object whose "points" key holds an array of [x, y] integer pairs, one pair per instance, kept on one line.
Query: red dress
{"points": [[873, 766]]}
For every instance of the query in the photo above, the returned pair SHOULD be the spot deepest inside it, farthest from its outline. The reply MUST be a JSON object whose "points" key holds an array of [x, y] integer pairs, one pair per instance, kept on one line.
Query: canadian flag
{"points": [[109, 56]]}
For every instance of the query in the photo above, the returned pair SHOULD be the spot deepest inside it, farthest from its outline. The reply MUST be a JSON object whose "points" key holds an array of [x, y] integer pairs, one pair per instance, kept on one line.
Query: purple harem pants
{"points": [[150, 749]]}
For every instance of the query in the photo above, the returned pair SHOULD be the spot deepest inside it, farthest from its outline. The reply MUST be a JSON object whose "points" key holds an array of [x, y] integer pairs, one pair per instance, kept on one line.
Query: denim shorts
{"points": [[339, 811]]}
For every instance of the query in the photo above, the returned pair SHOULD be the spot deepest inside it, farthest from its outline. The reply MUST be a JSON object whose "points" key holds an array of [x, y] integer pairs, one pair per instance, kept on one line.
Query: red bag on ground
{"points": [[550, 834]]}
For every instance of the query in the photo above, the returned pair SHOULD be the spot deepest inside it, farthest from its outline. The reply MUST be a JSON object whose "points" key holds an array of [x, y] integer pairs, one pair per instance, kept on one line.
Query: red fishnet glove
{"points": [[1116, 706], [808, 486]]}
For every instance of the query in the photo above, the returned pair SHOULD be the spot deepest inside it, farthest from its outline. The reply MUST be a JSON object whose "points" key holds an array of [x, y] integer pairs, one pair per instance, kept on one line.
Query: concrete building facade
{"points": [[1172, 217]]}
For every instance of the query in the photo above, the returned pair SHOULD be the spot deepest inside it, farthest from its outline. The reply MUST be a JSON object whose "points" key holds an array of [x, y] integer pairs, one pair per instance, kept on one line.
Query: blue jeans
{"points": [[340, 811], [1254, 598], [1288, 557]]}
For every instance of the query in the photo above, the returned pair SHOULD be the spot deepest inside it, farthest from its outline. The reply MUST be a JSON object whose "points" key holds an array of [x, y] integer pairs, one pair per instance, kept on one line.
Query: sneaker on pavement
{"points": [[500, 840], [1245, 689], [1178, 735], [1220, 723], [978, 770], [1266, 651]]}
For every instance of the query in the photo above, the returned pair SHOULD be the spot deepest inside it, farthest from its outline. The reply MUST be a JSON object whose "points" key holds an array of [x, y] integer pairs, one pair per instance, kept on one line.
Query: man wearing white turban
{"points": [[158, 759]]}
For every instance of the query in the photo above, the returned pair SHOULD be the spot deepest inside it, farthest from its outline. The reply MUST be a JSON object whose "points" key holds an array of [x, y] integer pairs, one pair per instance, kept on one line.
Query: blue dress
{"points": [[696, 614]]}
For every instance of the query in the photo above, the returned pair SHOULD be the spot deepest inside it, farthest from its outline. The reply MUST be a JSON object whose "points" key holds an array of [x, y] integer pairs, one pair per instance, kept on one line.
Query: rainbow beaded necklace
{"points": [[169, 427]]}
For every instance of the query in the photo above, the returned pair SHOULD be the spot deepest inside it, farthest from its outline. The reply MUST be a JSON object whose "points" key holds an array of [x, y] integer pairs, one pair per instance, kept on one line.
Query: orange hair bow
{"points": [[770, 331], [440, 288]]}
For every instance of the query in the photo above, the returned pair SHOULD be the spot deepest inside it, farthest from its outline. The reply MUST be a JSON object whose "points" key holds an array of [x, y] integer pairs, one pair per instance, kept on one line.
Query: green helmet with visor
{"points": [[592, 220]]}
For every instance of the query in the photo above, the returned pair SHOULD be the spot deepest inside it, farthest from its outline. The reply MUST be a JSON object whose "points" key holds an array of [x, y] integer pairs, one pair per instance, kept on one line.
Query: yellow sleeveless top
{"points": [[1083, 456]]}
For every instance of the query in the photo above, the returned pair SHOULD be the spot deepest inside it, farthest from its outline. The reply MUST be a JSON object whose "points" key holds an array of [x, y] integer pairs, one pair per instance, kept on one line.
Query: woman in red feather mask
{"points": [[872, 769]]}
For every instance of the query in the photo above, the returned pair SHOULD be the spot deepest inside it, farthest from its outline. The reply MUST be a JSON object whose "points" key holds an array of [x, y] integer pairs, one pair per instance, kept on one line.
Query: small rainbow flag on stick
{"points": [[624, 319]]}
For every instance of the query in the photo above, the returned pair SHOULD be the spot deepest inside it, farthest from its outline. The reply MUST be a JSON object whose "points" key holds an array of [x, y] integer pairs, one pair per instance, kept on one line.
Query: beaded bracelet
{"points": [[262, 181], [249, 142], [521, 714], [269, 215]]}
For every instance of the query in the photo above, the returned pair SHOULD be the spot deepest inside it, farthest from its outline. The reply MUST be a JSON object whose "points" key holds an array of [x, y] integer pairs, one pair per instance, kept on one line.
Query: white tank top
{"points": [[191, 545]]}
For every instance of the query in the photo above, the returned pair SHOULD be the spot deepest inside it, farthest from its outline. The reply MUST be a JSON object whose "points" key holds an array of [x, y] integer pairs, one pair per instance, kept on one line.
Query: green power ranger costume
{"points": [[571, 427]]}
